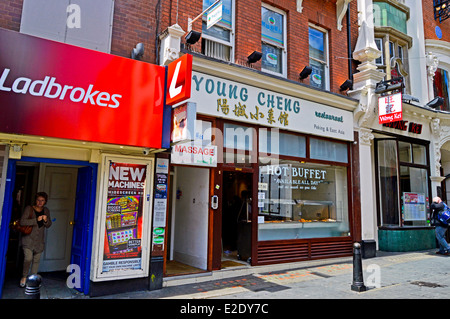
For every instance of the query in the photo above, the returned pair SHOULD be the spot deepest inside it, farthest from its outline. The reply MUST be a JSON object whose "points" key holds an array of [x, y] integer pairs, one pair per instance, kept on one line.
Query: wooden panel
{"points": [[272, 252]]}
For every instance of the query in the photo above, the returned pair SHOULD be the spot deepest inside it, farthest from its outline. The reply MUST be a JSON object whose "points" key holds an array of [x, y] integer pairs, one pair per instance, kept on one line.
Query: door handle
{"points": [[72, 222]]}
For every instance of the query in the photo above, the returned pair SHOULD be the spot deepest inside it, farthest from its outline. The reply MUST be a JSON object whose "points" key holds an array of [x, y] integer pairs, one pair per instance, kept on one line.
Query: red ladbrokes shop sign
{"points": [[58, 90]]}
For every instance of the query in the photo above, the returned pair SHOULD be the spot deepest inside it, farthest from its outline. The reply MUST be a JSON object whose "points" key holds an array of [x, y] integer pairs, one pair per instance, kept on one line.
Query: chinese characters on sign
{"points": [[218, 97], [390, 108]]}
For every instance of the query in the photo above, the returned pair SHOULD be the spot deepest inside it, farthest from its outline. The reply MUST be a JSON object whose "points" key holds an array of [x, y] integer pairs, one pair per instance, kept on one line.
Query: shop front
{"points": [[82, 126], [403, 187], [281, 190]]}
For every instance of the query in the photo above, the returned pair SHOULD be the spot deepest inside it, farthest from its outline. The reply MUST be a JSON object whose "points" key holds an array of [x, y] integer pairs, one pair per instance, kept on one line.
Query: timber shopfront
{"points": [[282, 187], [403, 184], [82, 126]]}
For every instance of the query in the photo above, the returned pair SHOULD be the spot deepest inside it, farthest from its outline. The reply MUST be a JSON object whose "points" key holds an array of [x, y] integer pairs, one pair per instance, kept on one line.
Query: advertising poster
{"points": [[123, 231], [414, 207]]}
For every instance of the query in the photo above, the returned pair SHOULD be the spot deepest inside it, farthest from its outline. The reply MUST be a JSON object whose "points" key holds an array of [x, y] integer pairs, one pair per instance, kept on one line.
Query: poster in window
{"points": [[124, 210], [414, 206]]}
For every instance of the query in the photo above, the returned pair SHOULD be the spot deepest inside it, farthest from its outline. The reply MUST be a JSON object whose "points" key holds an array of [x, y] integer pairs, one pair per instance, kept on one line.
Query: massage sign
{"points": [[123, 229]]}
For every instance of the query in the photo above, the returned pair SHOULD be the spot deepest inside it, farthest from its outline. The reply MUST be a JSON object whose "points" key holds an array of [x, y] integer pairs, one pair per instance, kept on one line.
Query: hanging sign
{"points": [[390, 108], [214, 15]]}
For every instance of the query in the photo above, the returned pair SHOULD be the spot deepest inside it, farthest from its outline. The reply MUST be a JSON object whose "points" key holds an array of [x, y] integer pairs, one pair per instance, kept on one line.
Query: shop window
{"points": [[328, 151], [442, 88], [402, 183], [238, 144], [273, 35], [276, 143], [318, 57], [217, 41], [302, 200]]}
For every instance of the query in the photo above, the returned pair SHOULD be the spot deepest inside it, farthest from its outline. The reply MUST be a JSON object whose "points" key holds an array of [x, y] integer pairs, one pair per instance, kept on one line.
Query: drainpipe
{"points": [[349, 45]]}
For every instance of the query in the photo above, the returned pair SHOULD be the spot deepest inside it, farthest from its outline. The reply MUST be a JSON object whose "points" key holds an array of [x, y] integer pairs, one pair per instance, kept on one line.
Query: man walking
{"points": [[436, 207]]}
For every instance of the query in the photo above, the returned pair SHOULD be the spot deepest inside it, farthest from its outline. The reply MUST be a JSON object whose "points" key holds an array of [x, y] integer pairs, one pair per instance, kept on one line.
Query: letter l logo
{"points": [[173, 90]]}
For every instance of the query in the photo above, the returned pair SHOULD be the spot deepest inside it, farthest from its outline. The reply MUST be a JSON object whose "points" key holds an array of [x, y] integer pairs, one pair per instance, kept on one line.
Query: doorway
{"points": [[70, 186], [187, 251], [236, 217]]}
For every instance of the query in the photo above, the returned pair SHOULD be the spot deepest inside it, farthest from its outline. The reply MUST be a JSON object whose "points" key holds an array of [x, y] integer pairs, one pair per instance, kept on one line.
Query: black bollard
{"points": [[33, 287], [358, 281]]}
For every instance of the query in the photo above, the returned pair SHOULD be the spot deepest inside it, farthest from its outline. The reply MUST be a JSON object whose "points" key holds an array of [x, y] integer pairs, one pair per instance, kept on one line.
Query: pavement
{"points": [[388, 276]]}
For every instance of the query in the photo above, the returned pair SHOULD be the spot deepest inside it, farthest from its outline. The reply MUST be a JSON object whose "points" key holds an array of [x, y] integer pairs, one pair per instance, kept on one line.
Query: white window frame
{"points": [[230, 43], [380, 47], [327, 53], [283, 48]]}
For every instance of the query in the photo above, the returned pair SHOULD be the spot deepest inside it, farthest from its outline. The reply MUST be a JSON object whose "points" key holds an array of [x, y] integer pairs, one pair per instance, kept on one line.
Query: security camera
{"points": [[137, 52], [146, 151]]}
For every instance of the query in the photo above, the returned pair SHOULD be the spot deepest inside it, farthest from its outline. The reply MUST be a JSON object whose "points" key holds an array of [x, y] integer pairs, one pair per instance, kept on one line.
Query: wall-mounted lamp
{"points": [[254, 57], [137, 52], [192, 37], [307, 70], [348, 84], [436, 102]]}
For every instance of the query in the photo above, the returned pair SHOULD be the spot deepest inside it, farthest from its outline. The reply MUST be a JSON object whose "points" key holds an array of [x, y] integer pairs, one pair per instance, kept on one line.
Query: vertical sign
{"points": [[124, 210], [160, 206], [214, 15], [390, 108]]}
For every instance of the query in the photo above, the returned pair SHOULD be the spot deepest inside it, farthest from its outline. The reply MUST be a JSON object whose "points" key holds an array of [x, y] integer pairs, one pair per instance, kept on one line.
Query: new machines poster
{"points": [[123, 231]]}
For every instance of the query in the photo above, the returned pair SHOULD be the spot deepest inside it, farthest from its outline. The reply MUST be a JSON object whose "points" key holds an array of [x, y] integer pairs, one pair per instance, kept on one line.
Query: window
{"points": [[273, 35], [390, 15], [403, 183], [379, 43], [298, 197], [318, 58], [217, 41], [442, 88], [85, 23]]}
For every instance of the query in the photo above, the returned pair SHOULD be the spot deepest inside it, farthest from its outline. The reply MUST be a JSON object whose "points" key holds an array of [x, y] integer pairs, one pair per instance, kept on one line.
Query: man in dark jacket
{"points": [[436, 207]]}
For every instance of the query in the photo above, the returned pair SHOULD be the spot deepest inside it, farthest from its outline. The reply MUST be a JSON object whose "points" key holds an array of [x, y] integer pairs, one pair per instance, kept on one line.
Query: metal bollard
{"points": [[358, 281], [33, 287]]}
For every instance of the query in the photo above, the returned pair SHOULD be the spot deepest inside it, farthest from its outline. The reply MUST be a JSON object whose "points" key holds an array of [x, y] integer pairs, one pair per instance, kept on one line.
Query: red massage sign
{"points": [[54, 89]]}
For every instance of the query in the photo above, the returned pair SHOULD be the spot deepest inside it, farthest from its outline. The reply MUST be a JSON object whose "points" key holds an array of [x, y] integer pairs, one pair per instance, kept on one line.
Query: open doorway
{"points": [[236, 218], [71, 191], [187, 251]]}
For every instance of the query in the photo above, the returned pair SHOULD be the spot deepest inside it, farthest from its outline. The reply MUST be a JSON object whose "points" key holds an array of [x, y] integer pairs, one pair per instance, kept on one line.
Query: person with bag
{"points": [[438, 207], [37, 216]]}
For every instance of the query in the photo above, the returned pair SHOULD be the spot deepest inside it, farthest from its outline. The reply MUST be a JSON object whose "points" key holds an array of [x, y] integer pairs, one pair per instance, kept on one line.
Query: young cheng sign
{"points": [[58, 90], [240, 102]]}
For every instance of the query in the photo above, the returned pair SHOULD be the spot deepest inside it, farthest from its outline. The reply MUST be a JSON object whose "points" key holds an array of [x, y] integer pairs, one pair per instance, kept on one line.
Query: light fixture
{"points": [[348, 84], [436, 102], [307, 70], [254, 57], [192, 37], [137, 52], [441, 10], [389, 85]]}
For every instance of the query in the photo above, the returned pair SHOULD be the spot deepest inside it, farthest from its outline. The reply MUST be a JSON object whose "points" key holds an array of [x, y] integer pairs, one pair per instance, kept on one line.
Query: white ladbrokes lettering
{"points": [[49, 88]]}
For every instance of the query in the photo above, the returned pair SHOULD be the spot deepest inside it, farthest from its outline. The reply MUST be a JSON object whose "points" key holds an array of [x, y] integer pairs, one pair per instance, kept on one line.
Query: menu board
{"points": [[414, 206], [124, 209]]}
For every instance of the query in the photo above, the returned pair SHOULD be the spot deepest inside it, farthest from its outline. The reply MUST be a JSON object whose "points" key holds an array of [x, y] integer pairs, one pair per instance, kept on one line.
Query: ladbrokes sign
{"points": [[53, 89]]}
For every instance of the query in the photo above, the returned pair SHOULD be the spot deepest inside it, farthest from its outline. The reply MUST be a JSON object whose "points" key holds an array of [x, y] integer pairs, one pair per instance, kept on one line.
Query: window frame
{"points": [[231, 43], [283, 48], [326, 62]]}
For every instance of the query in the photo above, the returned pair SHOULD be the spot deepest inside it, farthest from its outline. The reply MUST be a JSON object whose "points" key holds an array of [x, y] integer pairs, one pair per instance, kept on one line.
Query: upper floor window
{"points": [[318, 58], [273, 38], [217, 41], [390, 13], [442, 88]]}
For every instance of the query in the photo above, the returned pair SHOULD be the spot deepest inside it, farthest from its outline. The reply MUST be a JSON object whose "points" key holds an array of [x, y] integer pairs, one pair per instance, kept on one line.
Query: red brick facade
{"points": [[248, 32]]}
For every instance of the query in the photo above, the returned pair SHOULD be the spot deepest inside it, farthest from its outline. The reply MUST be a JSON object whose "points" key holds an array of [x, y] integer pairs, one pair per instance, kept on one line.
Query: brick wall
{"points": [[430, 24], [248, 32]]}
